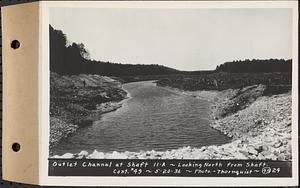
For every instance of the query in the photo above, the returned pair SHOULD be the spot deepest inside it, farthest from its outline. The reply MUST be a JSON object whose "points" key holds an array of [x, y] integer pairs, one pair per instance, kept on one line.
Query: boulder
{"points": [[96, 155], [68, 156]]}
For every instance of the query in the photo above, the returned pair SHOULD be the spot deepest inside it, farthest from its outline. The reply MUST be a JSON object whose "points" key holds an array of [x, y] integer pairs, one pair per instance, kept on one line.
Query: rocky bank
{"points": [[260, 128], [78, 100]]}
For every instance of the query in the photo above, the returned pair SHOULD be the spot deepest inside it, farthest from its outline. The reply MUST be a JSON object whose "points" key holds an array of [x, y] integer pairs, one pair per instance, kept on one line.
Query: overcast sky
{"points": [[185, 39]]}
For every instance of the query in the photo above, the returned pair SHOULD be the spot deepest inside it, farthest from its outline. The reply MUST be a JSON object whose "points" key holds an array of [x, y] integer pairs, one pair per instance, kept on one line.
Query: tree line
{"points": [[74, 58], [256, 66]]}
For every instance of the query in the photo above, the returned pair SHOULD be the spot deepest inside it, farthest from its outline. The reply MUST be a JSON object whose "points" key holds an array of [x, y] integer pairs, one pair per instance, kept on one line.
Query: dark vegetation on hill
{"points": [[70, 59], [256, 66]]}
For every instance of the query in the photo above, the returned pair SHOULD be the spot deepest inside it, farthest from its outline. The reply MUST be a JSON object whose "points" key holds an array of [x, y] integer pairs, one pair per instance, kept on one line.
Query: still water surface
{"points": [[152, 118]]}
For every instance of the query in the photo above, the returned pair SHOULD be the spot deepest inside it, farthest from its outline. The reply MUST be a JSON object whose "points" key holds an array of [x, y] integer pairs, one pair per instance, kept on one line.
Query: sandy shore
{"points": [[260, 128]]}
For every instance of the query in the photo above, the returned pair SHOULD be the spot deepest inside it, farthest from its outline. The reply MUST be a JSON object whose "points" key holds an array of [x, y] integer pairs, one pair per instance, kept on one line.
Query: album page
{"points": [[153, 93]]}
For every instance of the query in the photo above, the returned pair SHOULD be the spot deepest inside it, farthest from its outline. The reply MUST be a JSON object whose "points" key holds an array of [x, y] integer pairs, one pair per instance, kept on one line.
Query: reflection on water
{"points": [[153, 118]]}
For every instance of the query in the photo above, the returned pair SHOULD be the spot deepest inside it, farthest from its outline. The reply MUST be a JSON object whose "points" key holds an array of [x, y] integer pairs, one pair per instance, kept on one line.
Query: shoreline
{"points": [[256, 132], [74, 105], [61, 129]]}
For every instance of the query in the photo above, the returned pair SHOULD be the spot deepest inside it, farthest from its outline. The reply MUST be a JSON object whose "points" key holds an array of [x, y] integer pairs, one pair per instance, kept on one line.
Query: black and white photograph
{"points": [[151, 93], [171, 83]]}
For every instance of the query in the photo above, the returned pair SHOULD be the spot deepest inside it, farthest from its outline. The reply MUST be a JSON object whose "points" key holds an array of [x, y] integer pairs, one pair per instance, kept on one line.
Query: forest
{"points": [[68, 58], [256, 66]]}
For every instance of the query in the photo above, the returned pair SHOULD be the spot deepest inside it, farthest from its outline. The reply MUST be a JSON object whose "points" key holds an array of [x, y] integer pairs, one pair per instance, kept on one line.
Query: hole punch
{"points": [[15, 44], [16, 147]]}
